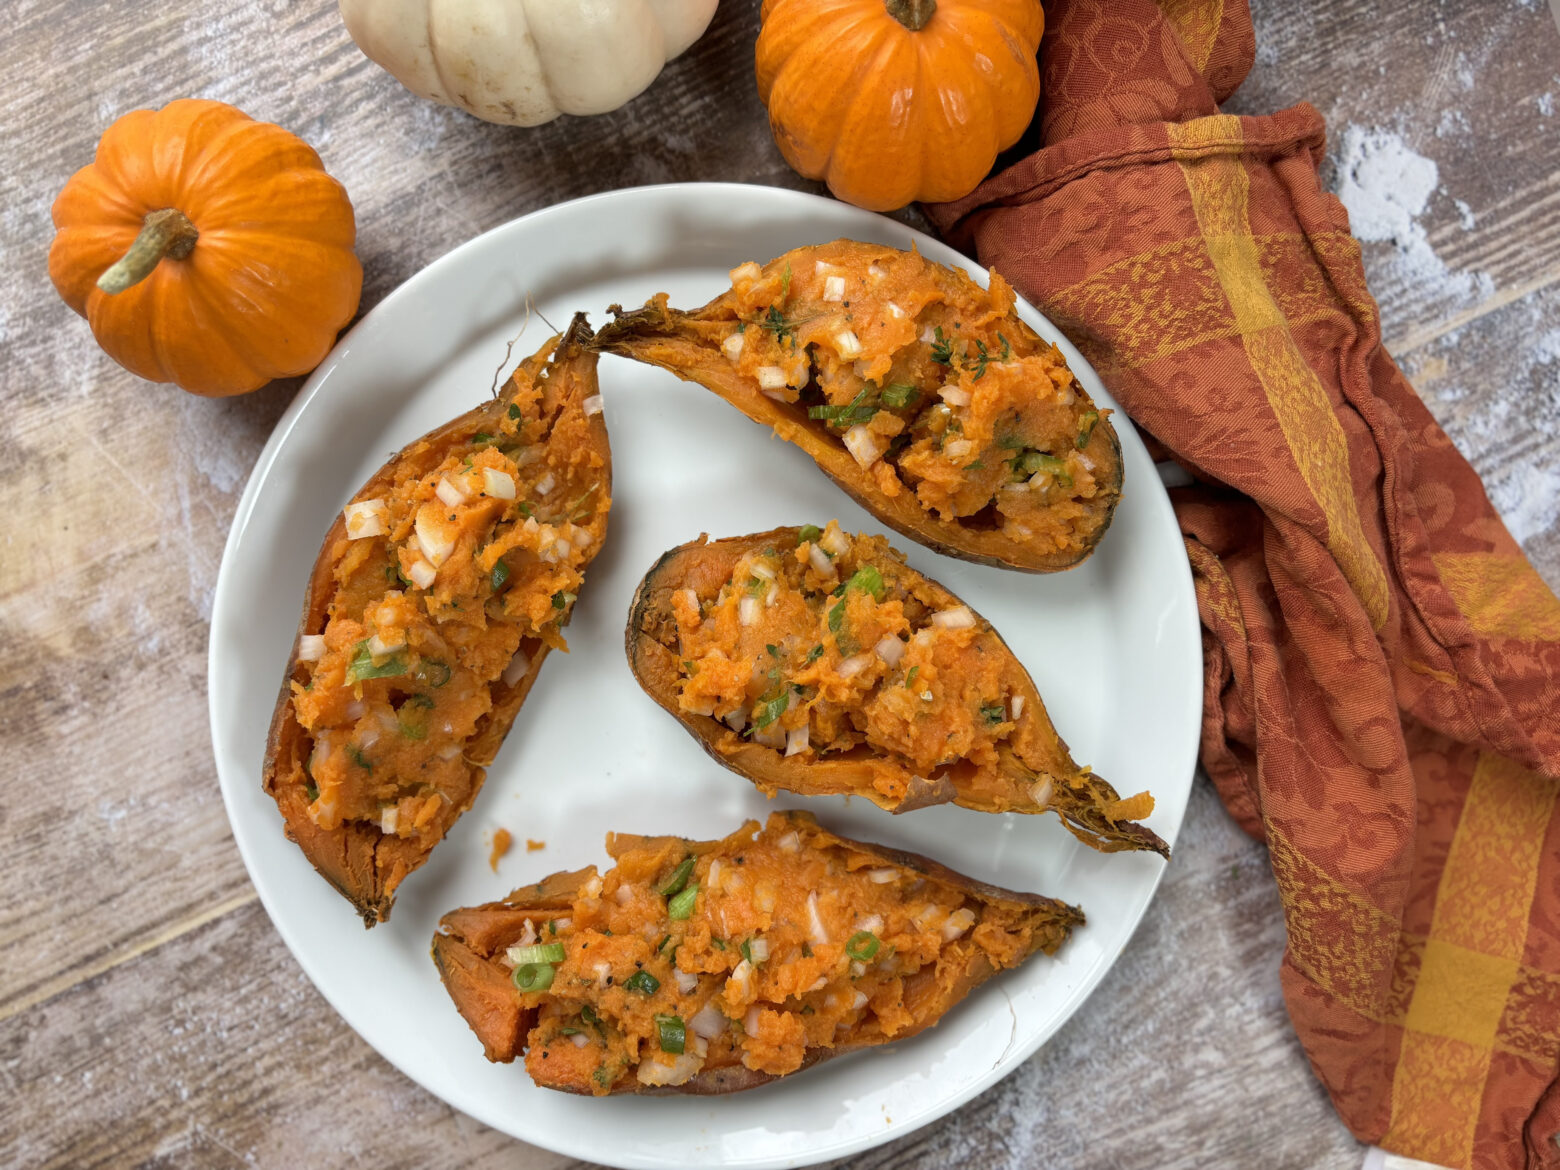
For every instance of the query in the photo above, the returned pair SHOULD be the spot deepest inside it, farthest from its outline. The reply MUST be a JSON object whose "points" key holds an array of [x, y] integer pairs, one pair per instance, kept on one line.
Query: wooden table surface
{"points": [[150, 1015]]}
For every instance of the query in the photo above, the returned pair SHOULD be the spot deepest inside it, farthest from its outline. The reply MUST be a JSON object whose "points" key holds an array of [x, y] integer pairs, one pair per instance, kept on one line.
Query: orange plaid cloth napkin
{"points": [[1382, 691]]}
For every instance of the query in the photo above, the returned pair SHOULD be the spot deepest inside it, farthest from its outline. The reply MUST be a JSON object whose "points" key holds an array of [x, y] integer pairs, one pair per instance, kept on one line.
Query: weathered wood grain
{"points": [[148, 1013]]}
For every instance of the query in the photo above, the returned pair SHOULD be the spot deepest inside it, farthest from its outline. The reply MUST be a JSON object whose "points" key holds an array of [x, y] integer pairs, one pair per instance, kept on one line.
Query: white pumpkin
{"points": [[524, 62]]}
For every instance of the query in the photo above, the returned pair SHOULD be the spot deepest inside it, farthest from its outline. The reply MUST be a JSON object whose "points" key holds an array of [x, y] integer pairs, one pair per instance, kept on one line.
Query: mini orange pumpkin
{"points": [[891, 101], [207, 249]]}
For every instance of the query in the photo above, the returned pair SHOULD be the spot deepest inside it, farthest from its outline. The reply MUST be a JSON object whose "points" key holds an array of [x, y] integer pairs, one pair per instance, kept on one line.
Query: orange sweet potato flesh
{"points": [[925, 397], [822, 664], [793, 945], [377, 747]]}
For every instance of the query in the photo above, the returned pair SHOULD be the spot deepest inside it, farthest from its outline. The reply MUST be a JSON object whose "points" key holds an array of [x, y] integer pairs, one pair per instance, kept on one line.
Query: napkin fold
{"points": [[1382, 665]]}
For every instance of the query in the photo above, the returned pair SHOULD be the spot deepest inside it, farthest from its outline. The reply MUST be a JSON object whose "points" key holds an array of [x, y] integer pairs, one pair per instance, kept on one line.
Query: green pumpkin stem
{"points": [[163, 233], [913, 14]]}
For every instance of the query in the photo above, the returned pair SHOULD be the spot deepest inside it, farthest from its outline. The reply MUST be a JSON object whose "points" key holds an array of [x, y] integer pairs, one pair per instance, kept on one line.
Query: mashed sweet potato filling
{"points": [[757, 951], [921, 375], [448, 581], [818, 649]]}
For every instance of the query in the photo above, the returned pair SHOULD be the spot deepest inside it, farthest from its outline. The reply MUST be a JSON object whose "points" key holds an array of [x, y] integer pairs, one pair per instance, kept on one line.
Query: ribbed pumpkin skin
{"points": [[271, 280], [887, 116]]}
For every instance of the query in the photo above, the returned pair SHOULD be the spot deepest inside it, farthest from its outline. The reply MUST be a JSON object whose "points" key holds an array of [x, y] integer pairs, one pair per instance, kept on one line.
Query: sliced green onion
{"points": [[362, 665], [868, 580], [809, 532], [433, 672], [562, 598], [1086, 428], [481, 437], [747, 951], [899, 395], [718, 943], [588, 1014], [1037, 461], [679, 878], [533, 976], [500, 575], [682, 905], [862, 945], [643, 982], [411, 730], [514, 411], [836, 618], [673, 1034], [910, 678], [537, 953], [994, 713]]}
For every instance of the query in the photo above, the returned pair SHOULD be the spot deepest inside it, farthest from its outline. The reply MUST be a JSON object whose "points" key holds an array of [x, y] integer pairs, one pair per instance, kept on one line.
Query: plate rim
{"points": [[1157, 498]]}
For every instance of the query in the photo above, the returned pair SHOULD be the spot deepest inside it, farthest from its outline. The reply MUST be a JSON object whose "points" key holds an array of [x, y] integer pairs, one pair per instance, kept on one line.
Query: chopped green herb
{"points": [[747, 950], [809, 532], [836, 618], [994, 712], [862, 945], [813, 655], [771, 709], [942, 350], [899, 395], [525, 508], [1007, 350], [362, 665], [910, 678], [481, 437], [570, 1030], [679, 878], [860, 409], [1037, 461], [533, 976], [552, 926], [672, 1034], [718, 943], [359, 758], [979, 362], [642, 982], [514, 411], [311, 792], [681, 906], [1086, 428], [774, 651], [785, 284], [562, 599], [500, 576], [411, 730]]}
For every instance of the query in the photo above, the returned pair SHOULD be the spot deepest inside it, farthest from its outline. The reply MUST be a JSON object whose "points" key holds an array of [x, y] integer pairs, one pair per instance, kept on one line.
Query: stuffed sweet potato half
{"points": [[713, 966], [821, 663], [439, 592], [921, 394]]}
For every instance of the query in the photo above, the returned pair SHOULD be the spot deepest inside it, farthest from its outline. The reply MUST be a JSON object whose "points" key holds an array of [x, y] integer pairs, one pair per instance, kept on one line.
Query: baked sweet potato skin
{"points": [[1033, 760], [689, 344], [363, 862], [470, 947]]}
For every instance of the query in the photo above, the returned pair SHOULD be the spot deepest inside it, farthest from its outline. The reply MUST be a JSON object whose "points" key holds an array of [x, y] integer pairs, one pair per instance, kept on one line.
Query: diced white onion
{"points": [[820, 560], [759, 949], [748, 271], [527, 937], [381, 645], [592, 888], [958, 922], [796, 741], [875, 271], [958, 449], [770, 377], [835, 542], [848, 344], [855, 664], [388, 819], [579, 1039], [957, 618], [546, 483], [929, 335], [815, 920], [603, 972], [790, 843], [449, 751], [750, 1021], [366, 518], [709, 1021], [624, 895], [834, 288], [890, 649], [955, 395], [732, 346], [686, 981], [762, 571], [311, 647], [822, 268], [679, 1072], [747, 610], [772, 736], [923, 918], [774, 593], [882, 875], [1040, 793], [356, 708], [435, 545], [895, 311], [450, 493], [864, 444], [422, 574], [712, 878], [368, 739], [690, 597], [742, 976], [1016, 707], [498, 484], [857, 968], [857, 1003], [737, 720], [774, 395], [563, 923], [1088, 463], [593, 405]]}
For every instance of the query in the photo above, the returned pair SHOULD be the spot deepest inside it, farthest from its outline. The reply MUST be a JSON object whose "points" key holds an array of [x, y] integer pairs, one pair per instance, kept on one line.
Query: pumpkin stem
{"points": [[163, 233], [913, 14]]}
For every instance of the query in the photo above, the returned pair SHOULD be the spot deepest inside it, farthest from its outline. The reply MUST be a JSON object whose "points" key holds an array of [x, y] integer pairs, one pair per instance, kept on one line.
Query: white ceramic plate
{"points": [[1113, 646]]}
